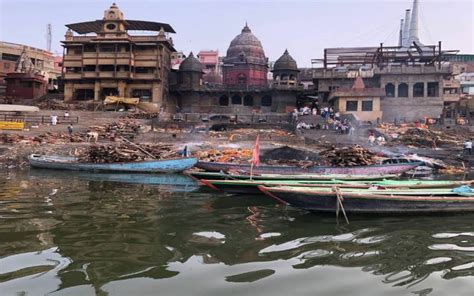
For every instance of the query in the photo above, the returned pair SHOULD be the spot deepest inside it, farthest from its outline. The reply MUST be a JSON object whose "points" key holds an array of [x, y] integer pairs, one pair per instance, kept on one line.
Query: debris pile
{"points": [[125, 153], [227, 155], [46, 138], [52, 105], [349, 156]]}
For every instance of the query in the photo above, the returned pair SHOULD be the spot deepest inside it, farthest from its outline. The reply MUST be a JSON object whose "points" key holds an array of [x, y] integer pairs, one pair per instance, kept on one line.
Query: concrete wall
{"points": [[340, 106]]}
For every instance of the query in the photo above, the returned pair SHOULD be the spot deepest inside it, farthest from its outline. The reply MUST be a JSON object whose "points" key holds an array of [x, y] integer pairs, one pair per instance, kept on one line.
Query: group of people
{"points": [[380, 140], [54, 121]]}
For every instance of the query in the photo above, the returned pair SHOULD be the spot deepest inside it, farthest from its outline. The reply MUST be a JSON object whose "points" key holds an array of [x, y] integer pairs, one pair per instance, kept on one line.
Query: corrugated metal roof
{"points": [[133, 25]]}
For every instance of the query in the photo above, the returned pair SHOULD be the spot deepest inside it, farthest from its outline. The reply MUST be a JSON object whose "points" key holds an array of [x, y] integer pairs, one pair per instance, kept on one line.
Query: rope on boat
{"points": [[339, 205]]}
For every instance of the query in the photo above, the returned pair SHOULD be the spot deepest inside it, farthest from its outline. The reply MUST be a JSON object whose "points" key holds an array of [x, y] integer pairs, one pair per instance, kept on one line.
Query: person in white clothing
{"points": [[468, 147], [54, 119]]}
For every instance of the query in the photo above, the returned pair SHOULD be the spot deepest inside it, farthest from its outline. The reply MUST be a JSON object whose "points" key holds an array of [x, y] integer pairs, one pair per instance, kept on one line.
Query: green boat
{"points": [[268, 177], [251, 187]]}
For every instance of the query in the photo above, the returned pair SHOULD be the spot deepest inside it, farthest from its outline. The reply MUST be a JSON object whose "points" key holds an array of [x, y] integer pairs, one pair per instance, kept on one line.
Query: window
{"points": [[111, 26], [144, 70], [224, 100], [236, 100], [107, 48], [266, 101], [143, 94], [107, 68], [351, 105], [248, 100], [390, 90], [10, 57], [433, 89], [403, 90], [89, 68], [89, 48], [418, 89], [367, 105], [242, 79], [84, 94]]}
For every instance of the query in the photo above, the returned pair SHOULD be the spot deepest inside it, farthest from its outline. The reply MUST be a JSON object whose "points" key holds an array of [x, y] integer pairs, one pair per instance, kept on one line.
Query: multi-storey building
{"points": [[42, 60], [115, 62]]}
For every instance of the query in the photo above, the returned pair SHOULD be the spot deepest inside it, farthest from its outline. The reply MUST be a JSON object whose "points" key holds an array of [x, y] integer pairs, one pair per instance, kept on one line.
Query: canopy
{"points": [[116, 100], [17, 108]]}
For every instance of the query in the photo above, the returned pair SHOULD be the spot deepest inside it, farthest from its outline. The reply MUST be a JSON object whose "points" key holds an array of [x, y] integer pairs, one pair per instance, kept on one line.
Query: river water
{"points": [[65, 233]]}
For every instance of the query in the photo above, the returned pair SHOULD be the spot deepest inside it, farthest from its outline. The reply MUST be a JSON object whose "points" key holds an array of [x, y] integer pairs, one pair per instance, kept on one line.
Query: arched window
{"points": [[276, 77], [292, 77], [242, 79], [403, 90], [389, 90], [224, 100], [236, 100], [284, 77], [419, 89], [248, 100], [266, 101]]}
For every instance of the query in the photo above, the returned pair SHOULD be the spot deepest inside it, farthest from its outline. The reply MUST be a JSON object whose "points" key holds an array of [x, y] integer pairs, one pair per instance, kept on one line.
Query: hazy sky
{"points": [[304, 27]]}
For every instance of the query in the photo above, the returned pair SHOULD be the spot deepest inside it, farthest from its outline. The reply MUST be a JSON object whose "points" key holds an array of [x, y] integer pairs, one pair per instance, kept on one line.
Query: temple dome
{"points": [[245, 48], [285, 62], [191, 64]]}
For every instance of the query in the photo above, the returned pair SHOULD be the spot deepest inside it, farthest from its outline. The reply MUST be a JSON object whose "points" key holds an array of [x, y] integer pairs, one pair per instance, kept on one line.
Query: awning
{"points": [[17, 108], [117, 100]]}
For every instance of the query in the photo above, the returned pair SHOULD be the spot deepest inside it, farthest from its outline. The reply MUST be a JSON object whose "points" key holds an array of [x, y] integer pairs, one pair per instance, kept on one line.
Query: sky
{"points": [[304, 27]]}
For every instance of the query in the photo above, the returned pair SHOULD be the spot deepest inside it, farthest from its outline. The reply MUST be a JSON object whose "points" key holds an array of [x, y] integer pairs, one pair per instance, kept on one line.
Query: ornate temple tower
{"points": [[190, 73], [285, 71], [245, 65]]}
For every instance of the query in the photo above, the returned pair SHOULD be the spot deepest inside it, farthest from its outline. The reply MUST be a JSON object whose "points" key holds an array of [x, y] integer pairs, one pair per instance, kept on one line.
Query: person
{"points": [[468, 147], [371, 139], [337, 116], [381, 140], [70, 129], [66, 114], [351, 130], [54, 119]]}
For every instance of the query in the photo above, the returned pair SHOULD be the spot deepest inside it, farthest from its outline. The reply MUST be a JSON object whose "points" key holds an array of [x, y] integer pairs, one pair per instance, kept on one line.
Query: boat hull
{"points": [[384, 169], [70, 163], [372, 203], [251, 187], [300, 177]]}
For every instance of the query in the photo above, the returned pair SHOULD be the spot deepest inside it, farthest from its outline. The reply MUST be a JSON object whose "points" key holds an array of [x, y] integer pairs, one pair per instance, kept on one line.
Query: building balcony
{"points": [[105, 75], [123, 75], [451, 98], [145, 76], [89, 75], [72, 57], [74, 64], [72, 76]]}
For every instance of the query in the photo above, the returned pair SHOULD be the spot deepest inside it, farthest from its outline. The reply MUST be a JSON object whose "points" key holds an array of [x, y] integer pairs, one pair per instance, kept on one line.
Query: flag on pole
{"points": [[256, 152]]}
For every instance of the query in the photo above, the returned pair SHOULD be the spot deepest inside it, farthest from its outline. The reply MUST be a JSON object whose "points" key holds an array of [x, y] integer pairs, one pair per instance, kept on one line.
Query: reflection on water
{"points": [[80, 234]]}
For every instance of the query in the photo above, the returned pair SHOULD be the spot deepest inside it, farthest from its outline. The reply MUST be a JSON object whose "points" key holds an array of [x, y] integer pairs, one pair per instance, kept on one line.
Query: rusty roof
{"points": [[133, 25]]}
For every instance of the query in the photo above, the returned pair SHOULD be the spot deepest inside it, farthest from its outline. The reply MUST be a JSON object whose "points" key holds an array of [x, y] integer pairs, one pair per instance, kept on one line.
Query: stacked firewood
{"points": [[128, 128], [292, 162], [125, 153], [142, 115], [348, 156], [425, 138]]}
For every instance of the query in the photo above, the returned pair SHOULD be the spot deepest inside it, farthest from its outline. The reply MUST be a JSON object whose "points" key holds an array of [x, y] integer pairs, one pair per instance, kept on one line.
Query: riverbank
{"points": [[15, 146]]}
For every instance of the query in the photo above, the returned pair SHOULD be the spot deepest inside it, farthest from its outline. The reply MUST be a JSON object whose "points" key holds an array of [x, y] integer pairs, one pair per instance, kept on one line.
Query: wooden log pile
{"points": [[421, 137], [124, 153], [142, 115], [46, 138], [348, 156], [127, 128]]}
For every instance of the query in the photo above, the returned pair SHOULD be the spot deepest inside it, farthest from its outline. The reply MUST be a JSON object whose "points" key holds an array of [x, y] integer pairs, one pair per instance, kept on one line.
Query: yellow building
{"points": [[362, 102], [112, 62]]}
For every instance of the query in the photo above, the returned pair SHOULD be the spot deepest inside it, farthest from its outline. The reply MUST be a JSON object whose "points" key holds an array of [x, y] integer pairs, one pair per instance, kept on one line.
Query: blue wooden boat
{"points": [[71, 163], [376, 169]]}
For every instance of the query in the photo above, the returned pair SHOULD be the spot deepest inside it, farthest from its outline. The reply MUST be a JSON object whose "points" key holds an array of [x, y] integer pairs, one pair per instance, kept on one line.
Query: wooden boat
{"points": [[153, 166], [377, 169], [373, 201], [251, 186], [225, 176]]}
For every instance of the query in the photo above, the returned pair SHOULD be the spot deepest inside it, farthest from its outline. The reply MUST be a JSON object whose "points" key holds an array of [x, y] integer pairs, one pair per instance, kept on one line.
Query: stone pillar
{"points": [[96, 91], [395, 91], [157, 93], [121, 88], [68, 92], [425, 89], [410, 89]]}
